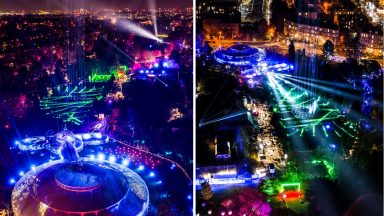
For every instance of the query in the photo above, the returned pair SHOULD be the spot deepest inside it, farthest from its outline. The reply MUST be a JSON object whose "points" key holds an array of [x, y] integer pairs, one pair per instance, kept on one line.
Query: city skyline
{"points": [[92, 5]]}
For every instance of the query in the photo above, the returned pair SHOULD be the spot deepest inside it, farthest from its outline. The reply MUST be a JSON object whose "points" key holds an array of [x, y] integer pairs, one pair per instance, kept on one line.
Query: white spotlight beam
{"points": [[152, 8], [139, 31]]}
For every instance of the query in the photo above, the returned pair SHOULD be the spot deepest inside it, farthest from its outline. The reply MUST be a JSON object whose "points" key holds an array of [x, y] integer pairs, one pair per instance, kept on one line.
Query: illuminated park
{"points": [[96, 114], [287, 121]]}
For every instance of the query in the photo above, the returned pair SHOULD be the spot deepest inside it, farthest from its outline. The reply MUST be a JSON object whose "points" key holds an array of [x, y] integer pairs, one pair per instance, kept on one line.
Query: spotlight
{"points": [[125, 162], [86, 136], [21, 173], [98, 135], [100, 157], [112, 159], [127, 25], [152, 174], [12, 181]]}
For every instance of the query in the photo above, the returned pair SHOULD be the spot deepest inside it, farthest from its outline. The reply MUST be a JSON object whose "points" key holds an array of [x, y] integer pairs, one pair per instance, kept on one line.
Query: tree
{"points": [[228, 203], [292, 173], [206, 192], [252, 203], [328, 48], [291, 51], [271, 186]]}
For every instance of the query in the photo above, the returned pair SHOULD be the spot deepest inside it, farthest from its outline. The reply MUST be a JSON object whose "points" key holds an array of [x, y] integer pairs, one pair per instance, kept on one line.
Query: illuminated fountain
{"points": [[79, 186]]}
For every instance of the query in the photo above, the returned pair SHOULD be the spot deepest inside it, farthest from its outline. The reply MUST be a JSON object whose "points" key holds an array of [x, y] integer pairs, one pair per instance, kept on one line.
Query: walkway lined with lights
{"points": [[158, 156], [273, 149]]}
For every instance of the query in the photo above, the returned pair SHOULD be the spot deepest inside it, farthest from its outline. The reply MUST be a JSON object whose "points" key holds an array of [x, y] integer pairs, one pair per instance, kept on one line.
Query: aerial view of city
{"points": [[191, 107], [96, 107], [289, 107]]}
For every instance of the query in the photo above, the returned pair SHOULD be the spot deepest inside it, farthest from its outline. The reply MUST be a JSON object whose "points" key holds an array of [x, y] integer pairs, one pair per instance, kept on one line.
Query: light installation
{"points": [[287, 192], [328, 165], [80, 186], [133, 156], [54, 143], [119, 72], [240, 55], [174, 163], [71, 105], [303, 111], [294, 185]]}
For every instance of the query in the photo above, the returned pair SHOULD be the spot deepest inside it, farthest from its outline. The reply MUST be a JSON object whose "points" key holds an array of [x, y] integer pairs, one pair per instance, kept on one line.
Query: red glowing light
{"points": [[290, 195]]}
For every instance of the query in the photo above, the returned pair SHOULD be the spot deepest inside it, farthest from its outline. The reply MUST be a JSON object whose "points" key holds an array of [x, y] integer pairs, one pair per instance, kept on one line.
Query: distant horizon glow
{"points": [[91, 5]]}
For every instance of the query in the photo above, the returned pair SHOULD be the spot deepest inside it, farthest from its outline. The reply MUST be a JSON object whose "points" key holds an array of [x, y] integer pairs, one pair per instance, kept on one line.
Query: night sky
{"points": [[89, 4]]}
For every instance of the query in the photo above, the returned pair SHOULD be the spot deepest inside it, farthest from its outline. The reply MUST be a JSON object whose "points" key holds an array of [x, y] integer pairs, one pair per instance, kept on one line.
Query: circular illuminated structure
{"points": [[239, 55], [81, 187]]}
